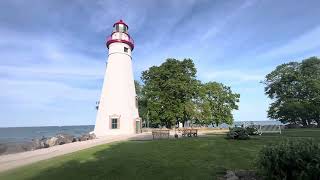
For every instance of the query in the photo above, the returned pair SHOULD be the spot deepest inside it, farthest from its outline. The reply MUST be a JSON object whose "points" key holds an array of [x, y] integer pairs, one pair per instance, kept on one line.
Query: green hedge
{"points": [[238, 133], [290, 160], [252, 131]]}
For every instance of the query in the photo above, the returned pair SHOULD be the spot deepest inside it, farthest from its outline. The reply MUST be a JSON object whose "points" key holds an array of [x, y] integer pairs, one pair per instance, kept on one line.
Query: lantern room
{"points": [[120, 34], [120, 26]]}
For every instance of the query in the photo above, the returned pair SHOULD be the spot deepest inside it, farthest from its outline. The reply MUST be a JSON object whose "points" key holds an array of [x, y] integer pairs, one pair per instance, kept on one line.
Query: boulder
{"points": [[52, 141], [39, 143], [86, 137], [92, 136], [64, 139]]}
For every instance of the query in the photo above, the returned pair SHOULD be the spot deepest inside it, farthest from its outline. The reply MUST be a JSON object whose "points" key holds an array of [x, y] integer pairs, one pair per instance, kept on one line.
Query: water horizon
{"points": [[45, 126], [27, 134]]}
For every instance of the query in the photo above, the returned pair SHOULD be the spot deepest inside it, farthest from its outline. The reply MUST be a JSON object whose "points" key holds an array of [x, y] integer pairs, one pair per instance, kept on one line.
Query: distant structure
{"points": [[118, 108]]}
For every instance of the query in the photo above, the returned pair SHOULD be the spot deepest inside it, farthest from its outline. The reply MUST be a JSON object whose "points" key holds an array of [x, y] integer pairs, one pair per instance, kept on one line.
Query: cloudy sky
{"points": [[53, 52]]}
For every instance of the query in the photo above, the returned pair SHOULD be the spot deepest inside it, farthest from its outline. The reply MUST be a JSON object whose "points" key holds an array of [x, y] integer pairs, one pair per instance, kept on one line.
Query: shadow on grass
{"points": [[185, 158], [129, 160], [108, 163]]}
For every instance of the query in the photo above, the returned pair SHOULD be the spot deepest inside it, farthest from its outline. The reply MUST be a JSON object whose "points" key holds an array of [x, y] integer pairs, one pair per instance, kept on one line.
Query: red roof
{"points": [[120, 22]]}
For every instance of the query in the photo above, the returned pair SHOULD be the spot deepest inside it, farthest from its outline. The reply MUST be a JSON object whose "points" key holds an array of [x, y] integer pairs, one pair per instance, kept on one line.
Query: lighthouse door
{"points": [[138, 127]]}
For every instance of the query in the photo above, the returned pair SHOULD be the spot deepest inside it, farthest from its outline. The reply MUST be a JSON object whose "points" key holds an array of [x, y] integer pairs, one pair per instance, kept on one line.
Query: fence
{"points": [[267, 128]]}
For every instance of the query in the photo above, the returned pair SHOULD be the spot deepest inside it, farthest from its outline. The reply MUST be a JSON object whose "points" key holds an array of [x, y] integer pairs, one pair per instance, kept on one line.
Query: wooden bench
{"points": [[188, 132], [160, 133]]}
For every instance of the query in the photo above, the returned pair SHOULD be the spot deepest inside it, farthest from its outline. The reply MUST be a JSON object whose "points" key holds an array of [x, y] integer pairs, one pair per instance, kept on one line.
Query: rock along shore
{"points": [[44, 142]]}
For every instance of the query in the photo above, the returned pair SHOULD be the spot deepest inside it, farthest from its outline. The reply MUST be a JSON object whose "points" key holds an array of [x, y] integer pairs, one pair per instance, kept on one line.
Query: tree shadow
{"points": [[103, 164], [184, 158], [126, 160]]}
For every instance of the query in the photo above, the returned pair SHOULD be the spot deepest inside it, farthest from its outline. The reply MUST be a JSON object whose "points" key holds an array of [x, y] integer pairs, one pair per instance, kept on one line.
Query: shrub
{"points": [[252, 131], [291, 159], [294, 126], [238, 133]]}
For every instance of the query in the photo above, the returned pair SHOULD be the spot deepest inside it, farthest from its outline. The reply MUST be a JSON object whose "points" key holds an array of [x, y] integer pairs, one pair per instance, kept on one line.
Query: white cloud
{"points": [[46, 79], [232, 75], [40, 56], [41, 94], [216, 28], [305, 42]]}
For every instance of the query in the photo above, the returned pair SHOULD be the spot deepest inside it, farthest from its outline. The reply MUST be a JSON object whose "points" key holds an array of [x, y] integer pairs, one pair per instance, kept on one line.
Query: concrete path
{"points": [[12, 161]]}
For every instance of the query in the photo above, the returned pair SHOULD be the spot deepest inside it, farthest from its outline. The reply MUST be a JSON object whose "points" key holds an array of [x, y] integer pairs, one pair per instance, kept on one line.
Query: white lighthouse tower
{"points": [[118, 108]]}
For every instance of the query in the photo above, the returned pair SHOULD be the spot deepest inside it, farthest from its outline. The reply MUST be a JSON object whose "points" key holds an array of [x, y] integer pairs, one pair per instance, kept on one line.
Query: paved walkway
{"points": [[11, 161]]}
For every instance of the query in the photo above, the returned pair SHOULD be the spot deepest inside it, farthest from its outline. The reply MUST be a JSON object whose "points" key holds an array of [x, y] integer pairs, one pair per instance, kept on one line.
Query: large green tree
{"points": [[219, 101], [294, 88], [172, 94], [169, 90]]}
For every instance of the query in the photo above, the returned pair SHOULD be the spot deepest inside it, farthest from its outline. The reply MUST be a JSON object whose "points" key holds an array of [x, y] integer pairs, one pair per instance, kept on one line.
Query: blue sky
{"points": [[53, 52]]}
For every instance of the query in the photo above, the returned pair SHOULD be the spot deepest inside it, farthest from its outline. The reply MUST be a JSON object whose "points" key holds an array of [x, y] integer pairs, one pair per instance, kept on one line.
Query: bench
{"points": [[160, 133], [188, 132]]}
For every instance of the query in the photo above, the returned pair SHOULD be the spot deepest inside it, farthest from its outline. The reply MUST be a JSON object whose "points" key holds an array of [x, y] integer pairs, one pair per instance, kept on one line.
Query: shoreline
{"points": [[14, 147], [11, 161]]}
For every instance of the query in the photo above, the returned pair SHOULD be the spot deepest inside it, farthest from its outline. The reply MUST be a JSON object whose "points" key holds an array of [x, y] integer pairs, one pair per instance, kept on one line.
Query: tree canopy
{"points": [[171, 94], [167, 89], [294, 88], [221, 101]]}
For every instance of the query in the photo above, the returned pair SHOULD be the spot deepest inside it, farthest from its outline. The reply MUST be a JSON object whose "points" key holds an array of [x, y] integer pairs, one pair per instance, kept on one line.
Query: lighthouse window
{"points": [[125, 49], [125, 29], [114, 123]]}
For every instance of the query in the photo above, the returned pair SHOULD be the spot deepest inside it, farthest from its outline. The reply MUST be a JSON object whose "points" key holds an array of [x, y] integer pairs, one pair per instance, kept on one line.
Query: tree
{"points": [[142, 103], [220, 101], [169, 90], [295, 90], [172, 94]]}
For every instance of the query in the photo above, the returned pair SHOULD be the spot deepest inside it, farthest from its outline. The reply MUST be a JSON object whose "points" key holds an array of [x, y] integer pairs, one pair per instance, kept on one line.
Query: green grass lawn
{"points": [[185, 158]]}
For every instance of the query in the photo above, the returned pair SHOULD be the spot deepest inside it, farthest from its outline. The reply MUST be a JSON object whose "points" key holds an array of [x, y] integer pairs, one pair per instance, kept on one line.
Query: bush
{"points": [[238, 133], [291, 159], [292, 126], [252, 131]]}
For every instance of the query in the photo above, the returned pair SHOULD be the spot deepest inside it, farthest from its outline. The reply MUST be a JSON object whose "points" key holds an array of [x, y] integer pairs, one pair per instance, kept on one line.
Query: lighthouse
{"points": [[118, 107]]}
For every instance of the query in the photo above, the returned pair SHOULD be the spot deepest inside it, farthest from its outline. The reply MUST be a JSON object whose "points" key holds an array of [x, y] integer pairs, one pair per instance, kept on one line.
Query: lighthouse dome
{"points": [[120, 26], [120, 34]]}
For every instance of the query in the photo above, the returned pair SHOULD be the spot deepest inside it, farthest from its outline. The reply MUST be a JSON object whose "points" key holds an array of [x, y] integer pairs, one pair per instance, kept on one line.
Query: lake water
{"points": [[26, 134]]}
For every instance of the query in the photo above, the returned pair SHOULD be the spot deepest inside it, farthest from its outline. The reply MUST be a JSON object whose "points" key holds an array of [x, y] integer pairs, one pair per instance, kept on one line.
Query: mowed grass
{"points": [[185, 158]]}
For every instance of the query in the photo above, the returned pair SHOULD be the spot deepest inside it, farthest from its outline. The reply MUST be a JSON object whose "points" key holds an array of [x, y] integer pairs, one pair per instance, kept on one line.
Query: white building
{"points": [[118, 108]]}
